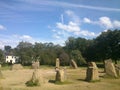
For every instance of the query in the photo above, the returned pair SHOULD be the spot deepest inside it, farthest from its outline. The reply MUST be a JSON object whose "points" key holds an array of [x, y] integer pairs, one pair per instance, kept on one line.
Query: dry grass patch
{"points": [[16, 79]]}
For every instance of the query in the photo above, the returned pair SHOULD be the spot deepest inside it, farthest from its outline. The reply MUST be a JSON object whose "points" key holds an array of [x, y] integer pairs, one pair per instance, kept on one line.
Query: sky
{"points": [[55, 20]]}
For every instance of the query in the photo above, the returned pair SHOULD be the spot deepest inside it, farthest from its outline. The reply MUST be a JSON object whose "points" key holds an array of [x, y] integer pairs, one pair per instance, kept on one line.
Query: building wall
{"points": [[11, 59]]}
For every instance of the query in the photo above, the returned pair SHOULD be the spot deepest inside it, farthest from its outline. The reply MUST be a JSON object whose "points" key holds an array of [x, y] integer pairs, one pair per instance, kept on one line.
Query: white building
{"points": [[11, 59]]}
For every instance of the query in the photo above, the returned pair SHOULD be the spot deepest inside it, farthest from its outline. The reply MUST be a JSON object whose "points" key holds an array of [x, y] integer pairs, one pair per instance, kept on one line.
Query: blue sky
{"points": [[55, 20]]}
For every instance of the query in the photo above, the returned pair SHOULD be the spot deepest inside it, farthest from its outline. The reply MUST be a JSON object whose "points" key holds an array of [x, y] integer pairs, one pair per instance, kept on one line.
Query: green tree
{"points": [[24, 45], [8, 50], [25, 52], [64, 58], [76, 55], [1, 56], [107, 45]]}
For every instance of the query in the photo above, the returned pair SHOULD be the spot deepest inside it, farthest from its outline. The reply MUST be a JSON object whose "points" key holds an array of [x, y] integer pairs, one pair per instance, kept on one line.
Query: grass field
{"points": [[16, 79]]}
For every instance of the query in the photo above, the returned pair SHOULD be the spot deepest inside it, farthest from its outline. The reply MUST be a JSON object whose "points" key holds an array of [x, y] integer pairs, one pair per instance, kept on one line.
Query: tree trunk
{"points": [[115, 61], [104, 65]]}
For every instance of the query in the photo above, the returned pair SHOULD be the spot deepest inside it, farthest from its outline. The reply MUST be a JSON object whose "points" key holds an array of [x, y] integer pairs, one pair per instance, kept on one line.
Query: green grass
{"points": [[6, 67], [32, 84], [94, 81], [60, 83], [110, 77], [63, 83]]}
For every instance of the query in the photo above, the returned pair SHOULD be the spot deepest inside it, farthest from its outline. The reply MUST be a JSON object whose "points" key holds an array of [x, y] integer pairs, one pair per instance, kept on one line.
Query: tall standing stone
{"points": [[16, 67], [57, 63], [110, 68], [92, 64], [73, 64], [60, 75], [117, 67], [92, 72], [1, 75], [36, 79], [35, 65]]}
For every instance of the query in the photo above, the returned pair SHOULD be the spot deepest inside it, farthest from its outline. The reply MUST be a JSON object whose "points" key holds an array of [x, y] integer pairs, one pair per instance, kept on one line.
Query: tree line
{"points": [[105, 46]]}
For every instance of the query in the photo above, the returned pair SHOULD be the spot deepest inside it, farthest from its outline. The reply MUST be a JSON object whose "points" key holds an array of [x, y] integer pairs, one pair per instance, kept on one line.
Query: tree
{"points": [[8, 49], [70, 44], [1, 56], [25, 52], [24, 45], [108, 45], [76, 55], [64, 59]]}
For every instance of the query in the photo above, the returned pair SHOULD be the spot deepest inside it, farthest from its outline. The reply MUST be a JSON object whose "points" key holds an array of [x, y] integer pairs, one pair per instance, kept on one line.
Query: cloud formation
{"points": [[72, 16], [86, 20], [104, 22], [2, 27], [73, 27], [38, 5], [13, 40]]}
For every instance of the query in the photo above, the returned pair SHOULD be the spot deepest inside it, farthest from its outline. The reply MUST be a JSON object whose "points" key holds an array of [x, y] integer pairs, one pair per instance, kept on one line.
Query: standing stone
{"points": [[73, 64], [57, 63], [1, 75], [35, 65], [35, 76], [117, 67], [60, 75], [92, 72], [110, 68], [16, 67], [36, 79], [92, 64]]}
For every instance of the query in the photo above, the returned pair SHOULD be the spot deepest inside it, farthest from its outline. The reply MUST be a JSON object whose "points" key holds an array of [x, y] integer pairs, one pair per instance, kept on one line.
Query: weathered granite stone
{"points": [[57, 63], [117, 68], [36, 79], [92, 72], [110, 68], [60, 75], [1, 75], [73, 64], [16, 67], [35, 65]]}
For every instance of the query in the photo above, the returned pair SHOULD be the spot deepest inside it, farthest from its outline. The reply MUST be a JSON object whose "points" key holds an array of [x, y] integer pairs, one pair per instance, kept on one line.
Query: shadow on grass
{"points": [[91, 81], [82, 80], [52, 81], [100, 65], [59, 83], [110, 77]]}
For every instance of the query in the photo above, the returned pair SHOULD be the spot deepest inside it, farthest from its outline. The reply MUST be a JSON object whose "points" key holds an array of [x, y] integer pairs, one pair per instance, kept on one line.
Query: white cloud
{"points": [[2, 27], [75, 29], [86, 20], [13, 40], [26, 37], [73, 16], [105, 30], [86, 33], [56, 36], [64, 4], [71, 27], [106, 22], [116, 24]]}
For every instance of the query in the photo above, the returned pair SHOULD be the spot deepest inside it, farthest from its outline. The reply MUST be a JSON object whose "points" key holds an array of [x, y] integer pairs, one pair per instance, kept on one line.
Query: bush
{"points": [[31, 83]]}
